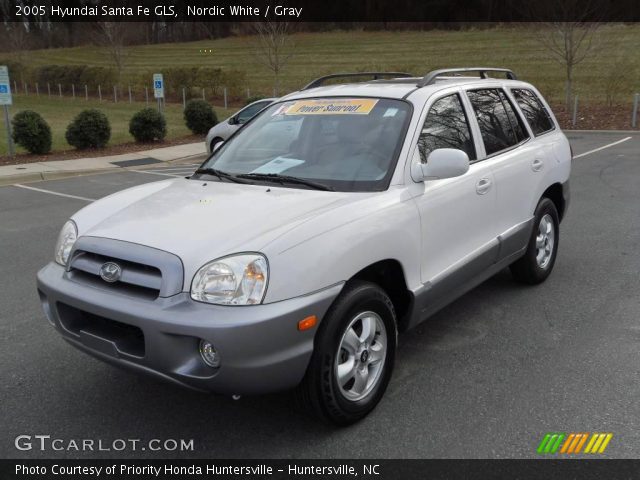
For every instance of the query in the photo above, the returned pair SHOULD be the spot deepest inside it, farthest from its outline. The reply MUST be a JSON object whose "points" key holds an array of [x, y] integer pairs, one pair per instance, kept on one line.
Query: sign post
{"points": [[158, 89], [5, 101]]}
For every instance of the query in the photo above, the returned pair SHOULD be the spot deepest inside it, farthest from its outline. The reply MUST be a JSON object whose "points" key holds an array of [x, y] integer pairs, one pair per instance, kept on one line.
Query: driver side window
{"points": [[446, 126]]}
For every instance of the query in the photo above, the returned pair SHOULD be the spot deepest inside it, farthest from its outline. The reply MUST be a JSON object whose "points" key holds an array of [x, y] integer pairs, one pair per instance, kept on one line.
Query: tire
{"points": [[537, 263], [360, 306], [214, 142]]}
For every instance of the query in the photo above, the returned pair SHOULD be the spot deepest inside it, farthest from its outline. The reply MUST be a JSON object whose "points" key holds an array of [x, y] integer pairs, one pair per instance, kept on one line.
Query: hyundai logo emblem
{"points": [[110, 272]]}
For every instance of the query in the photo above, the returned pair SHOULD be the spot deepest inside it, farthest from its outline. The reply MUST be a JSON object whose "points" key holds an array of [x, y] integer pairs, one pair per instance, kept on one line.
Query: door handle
{"points": [[483, 186], [537, 165]]}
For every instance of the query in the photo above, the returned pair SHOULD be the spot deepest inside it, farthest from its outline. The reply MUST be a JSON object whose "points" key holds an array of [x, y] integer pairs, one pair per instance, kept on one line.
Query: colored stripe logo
{"points": [[573, 443]]}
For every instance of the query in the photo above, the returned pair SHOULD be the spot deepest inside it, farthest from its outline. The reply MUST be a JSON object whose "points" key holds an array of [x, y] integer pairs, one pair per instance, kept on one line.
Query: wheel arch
{"points": [[389, 275], [213, 141], [555, 193]]}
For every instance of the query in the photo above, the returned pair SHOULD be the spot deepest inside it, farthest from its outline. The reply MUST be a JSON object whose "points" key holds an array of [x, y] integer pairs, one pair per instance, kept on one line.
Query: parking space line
{"points": [[173, 170], [42, 190], [181, 165], [602, 148], [156, 173]]}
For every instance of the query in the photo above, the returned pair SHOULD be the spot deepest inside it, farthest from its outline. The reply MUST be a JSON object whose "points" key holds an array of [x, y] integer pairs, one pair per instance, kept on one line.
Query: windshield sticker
{"points": [[391, 112], [277, 165], [336, 106]]}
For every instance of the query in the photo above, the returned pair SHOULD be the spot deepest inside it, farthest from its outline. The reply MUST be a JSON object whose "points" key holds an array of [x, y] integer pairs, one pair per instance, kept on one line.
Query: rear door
{"points": [[513, 160]]}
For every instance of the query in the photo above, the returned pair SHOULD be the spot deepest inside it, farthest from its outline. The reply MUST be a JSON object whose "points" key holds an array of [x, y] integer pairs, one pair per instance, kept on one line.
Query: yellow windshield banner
{"points": [[336, 106]]}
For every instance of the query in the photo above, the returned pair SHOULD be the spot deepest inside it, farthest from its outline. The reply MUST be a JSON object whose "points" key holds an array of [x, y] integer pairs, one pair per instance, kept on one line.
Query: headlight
{"points": [[66, 239], [234, 280]]}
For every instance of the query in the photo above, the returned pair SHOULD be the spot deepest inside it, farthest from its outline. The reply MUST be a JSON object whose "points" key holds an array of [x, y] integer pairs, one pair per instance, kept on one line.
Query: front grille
{"points": [[137, 279], [146, 273], [127, 339]]}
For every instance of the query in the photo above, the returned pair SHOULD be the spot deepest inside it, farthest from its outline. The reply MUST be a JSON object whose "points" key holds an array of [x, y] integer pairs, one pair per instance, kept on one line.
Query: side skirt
{"points": [[444, 289]]}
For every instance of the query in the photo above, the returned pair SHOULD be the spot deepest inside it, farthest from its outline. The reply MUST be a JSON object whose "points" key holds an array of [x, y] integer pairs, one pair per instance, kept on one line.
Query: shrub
{"points": [[178, 78], [31, 132], [17, 70], [211, 79], [78, 75], [199, 116], [236, 83], [90, 129], [148, 125]]}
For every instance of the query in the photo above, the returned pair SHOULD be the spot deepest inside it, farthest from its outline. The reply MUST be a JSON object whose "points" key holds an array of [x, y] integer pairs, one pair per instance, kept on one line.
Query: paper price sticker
{"points": [[338, 106]]}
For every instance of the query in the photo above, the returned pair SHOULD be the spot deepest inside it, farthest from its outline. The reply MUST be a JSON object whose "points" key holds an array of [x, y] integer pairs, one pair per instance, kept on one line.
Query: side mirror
{"points": [[233, 121], [441, 163], [217, 146]]}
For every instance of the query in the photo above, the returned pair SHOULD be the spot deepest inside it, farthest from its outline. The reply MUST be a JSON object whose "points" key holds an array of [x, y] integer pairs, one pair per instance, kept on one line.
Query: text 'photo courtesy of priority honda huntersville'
{"points": [[337, 216]]}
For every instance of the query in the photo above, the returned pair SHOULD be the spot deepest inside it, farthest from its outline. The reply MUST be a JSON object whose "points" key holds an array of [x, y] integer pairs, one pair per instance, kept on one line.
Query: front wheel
{"points": [[214, 143], [536, 264], [353, 355]]}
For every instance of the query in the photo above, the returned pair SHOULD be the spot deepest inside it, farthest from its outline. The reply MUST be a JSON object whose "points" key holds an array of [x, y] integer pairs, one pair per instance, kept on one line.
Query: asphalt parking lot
{"points": [[486, 377]]}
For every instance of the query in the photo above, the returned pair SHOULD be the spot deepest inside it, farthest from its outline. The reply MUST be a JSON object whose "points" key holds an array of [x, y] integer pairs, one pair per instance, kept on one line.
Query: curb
{"points": [[61, 174]]}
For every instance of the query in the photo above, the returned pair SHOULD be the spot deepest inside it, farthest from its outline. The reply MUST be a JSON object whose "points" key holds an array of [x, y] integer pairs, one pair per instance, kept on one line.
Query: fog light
{"points": [[209, 354]]}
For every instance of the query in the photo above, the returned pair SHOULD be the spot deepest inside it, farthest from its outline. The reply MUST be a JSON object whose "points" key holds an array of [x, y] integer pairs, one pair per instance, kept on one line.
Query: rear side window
{"points": [[538, 117], [446, 126], [249, 112], [499, 124]]}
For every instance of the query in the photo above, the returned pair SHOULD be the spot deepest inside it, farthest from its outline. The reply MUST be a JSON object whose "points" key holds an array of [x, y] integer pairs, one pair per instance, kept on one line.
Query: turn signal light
{"points": [[307, 323]]}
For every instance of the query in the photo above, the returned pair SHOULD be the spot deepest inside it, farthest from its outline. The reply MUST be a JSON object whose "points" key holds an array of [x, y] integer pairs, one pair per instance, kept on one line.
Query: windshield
{"points": [[345, 144]]}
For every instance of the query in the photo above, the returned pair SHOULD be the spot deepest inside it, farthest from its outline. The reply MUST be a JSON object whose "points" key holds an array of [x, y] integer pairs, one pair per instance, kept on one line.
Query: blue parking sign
{"points": [[5, 88], [158, 85]]}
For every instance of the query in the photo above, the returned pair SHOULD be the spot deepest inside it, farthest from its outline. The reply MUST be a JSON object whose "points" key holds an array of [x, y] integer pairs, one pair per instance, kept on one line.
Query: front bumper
{"points": [[260, 347]]}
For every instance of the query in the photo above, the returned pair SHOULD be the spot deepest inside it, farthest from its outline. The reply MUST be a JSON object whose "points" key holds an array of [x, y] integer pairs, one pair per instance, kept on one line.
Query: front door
{"points": [[459, 234]]}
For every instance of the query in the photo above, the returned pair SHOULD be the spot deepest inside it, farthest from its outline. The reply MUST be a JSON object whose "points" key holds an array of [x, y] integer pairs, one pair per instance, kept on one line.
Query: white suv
{"points": [[335, 218]]}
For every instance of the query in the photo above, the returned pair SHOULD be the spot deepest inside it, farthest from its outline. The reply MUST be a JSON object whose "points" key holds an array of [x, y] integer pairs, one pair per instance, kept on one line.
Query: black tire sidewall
{"points": [[215, 142], [545, 207], [357, 298]]}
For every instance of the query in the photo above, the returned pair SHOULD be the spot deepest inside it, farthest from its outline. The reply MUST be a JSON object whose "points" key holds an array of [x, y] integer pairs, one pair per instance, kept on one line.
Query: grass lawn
{"points": [[615, 52], [60, 112], [614, 56]]}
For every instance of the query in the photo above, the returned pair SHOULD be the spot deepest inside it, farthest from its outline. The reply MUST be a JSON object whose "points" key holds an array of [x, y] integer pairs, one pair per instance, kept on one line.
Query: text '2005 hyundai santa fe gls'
{"points": [[336, 217]]}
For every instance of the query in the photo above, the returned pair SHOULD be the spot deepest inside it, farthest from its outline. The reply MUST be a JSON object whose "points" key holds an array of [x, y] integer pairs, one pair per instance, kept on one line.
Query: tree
{"points": [[274, 47], [112, 36], [17, 39], [569, 40]]}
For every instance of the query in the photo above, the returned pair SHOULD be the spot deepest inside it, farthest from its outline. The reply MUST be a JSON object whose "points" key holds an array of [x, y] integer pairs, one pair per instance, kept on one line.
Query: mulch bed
{"points": [[596, 117], [112, 150]]}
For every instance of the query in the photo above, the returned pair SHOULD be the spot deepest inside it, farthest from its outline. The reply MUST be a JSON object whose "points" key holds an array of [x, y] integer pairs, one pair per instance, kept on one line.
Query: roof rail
{"points": [[376, 75], [430, 78]]}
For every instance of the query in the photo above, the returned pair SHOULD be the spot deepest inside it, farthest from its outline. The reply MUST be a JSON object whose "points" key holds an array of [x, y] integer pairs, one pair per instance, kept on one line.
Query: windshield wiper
{"points": [[219, 173], [282, 179]]}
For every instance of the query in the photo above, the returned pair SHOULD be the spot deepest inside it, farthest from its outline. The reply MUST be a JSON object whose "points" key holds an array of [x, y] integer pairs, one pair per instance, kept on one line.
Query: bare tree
{"points": [[569, 39], [16, 37], [274, 47], [112, 36]]}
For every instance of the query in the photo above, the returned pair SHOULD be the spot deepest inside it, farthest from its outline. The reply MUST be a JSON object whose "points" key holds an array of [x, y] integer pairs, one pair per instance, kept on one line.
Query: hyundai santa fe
{"points": [[338, 216]]}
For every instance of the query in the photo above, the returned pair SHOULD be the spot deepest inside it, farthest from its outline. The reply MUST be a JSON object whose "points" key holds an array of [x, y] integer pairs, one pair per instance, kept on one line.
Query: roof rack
{"points": [[430, 78], [376, 75]]}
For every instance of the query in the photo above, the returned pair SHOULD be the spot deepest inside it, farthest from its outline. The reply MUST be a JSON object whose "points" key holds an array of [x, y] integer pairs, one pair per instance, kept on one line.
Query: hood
{"points": [[200, 221]]}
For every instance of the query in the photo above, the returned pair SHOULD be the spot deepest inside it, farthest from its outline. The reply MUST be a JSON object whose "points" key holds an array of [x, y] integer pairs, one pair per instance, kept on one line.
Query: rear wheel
{"points": [[536, 264], [353, 356]]}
